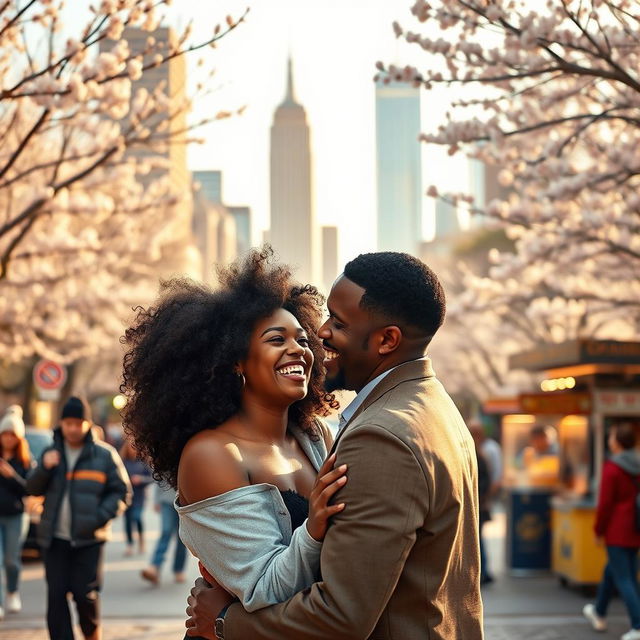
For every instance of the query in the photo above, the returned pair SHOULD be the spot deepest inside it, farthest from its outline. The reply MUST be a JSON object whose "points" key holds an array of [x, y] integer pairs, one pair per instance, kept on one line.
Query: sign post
{"points": [[49, 378]]}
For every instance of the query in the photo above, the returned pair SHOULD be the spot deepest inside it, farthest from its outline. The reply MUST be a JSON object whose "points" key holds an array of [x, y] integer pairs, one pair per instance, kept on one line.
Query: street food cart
{"points": [[586, 386]]}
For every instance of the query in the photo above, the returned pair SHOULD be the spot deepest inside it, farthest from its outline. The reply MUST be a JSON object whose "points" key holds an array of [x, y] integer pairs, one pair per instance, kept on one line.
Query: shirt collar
{"points": [[355, 404]]}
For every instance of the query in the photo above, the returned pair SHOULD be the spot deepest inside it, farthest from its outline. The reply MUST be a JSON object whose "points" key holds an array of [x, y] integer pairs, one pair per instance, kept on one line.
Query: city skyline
{"points": [[333, 76]]}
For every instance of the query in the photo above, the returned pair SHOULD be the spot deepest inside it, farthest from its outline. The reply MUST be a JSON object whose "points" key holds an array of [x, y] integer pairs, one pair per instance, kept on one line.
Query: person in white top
{"points": [[492, 454]]}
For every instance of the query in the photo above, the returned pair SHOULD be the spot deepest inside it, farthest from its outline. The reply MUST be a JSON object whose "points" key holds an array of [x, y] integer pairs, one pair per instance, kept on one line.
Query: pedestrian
{"points": [[15, 462], [484, 498], [540, 458], [401, 560], [492, 452], [85, 486], [140, 478], [164, 499], [616, 526]]}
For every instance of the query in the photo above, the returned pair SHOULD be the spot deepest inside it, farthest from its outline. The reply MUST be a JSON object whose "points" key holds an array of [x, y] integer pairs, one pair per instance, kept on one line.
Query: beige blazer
{"points": [[401, 562]]}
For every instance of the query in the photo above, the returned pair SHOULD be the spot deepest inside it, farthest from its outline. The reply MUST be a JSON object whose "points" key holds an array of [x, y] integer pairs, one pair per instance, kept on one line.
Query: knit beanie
{"points": [[76, 408], [12, 421]]}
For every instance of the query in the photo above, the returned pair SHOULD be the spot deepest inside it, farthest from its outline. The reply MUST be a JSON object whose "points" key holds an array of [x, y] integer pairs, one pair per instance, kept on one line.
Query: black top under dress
{"points": [[297, 506]]}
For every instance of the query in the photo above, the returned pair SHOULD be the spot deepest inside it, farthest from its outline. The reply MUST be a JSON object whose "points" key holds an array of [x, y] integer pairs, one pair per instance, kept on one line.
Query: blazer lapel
{"points": [[413, 370]]}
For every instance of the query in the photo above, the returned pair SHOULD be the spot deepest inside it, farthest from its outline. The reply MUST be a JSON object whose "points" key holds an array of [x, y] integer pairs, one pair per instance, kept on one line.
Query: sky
{"points": [[334, 45]]}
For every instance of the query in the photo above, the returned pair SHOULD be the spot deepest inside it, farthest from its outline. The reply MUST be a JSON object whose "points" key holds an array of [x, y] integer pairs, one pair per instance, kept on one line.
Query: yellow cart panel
{"points": [[575, 555]]}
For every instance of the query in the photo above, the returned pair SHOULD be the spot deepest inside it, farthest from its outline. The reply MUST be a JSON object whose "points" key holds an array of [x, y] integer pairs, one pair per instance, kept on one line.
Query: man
{"points": [[484, 494], [85, 486], [540, 458], [492, 453], [401, 561], [169, 528]]}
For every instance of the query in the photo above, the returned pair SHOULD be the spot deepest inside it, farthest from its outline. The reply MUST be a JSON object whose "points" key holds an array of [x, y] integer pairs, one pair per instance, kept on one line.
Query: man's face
{"points": [[540, 443], [74, 430], [351, 357]]}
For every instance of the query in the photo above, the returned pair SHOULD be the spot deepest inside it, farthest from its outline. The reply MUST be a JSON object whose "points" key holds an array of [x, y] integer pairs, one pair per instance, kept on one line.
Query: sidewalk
{"points": [[113, 629], [515, 608]]}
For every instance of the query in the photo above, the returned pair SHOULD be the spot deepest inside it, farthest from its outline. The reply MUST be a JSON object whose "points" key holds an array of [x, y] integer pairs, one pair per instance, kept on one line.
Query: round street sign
{"points": [[49, 375]]}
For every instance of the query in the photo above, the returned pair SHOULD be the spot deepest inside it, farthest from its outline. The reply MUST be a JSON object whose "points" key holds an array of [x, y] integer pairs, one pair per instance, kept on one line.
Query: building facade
{"points": [[292, 231], [399, 167]]}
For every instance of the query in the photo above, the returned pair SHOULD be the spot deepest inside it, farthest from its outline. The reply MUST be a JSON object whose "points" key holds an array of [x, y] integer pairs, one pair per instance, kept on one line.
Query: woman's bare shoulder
{"points": [[211, 464]]}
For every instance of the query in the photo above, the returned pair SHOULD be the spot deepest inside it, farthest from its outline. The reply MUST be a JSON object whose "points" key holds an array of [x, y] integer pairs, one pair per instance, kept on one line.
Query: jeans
{"points": [[621, 572], [169, 526], [77, 570], [484, 563], [133, 518], [11, 535]]}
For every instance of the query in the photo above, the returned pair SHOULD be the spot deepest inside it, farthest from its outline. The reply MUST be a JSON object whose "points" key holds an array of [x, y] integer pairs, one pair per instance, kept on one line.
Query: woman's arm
{"points": [[236, 530], [14, 476]]}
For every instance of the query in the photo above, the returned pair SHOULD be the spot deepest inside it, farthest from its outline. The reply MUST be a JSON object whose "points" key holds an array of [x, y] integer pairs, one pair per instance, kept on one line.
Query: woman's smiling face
{"points": [[279, 361]]}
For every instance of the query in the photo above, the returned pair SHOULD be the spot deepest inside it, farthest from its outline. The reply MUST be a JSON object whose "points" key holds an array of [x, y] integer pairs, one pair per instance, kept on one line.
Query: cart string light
{"points": [[558, 384]]}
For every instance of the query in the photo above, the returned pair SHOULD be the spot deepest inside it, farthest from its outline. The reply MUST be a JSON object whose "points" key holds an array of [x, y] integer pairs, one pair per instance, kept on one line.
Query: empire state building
{"points": [[293, 230]]}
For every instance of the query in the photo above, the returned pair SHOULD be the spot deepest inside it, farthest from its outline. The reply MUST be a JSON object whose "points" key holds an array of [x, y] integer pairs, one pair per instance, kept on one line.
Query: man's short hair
{"points": [[539, 431], [400, 288], [625, 435]]}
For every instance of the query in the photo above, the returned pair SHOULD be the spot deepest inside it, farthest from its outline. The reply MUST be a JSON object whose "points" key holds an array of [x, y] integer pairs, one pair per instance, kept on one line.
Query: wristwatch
{"points": [[219, 624]]}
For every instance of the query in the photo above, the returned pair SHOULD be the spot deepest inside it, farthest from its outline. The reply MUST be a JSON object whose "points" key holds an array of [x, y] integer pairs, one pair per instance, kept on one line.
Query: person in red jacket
{"points": [[615, 524]]}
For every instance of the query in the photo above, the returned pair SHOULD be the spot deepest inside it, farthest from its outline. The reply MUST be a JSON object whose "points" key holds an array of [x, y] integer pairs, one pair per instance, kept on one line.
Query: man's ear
{"points": [[390, 339]]}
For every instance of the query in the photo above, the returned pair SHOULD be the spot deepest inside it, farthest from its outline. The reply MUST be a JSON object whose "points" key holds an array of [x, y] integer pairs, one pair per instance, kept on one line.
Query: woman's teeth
{"points": [[296, 370]]}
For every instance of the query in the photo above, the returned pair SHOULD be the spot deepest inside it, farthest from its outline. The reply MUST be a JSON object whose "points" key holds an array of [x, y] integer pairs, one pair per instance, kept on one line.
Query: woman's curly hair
{"points": [[179, 369]]}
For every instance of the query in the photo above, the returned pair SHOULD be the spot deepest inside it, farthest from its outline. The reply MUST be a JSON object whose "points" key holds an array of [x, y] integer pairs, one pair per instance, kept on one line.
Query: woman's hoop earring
{"points": [[242, 378]]}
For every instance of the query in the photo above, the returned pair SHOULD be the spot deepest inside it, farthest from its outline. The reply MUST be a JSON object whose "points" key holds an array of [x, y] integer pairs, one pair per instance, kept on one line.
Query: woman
{"points": [[615, 524], [224, 388], [15, 462], [140, 477]]}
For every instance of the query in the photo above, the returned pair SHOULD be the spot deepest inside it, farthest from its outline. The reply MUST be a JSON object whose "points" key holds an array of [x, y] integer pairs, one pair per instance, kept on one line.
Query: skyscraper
{"points": [[329, 257], [292, 233], [447, 223], [210, 184], [211, 189], [399, 167], [215, 233], [242, 216], [170, 79], [484, 186]]}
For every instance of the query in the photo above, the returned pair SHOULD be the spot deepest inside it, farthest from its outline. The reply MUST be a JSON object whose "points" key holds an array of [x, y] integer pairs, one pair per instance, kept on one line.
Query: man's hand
{"points": [[51, 459], [205, 603]]}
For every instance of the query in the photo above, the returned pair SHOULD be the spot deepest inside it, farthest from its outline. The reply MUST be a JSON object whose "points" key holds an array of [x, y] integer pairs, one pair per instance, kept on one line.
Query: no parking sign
{"points": [[49, 378]]}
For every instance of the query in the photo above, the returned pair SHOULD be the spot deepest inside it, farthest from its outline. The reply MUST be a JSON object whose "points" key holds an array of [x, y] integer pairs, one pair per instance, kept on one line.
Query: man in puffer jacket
{"points": [[85, 486], [616, 526]]}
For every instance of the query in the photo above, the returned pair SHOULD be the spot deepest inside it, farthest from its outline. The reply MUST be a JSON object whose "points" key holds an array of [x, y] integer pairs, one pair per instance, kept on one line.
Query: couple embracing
{"points": [[302, 537]]}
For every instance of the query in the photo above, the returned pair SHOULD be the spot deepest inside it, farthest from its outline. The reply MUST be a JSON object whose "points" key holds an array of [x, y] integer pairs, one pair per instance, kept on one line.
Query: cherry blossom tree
{"points": [[550, 93], [88, 217]]}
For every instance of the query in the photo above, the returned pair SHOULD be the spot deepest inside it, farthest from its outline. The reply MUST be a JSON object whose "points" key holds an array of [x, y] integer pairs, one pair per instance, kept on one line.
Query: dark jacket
{"points": [[12, 490], [99, 490], [138, 468], [484, 485], [615, 516]]}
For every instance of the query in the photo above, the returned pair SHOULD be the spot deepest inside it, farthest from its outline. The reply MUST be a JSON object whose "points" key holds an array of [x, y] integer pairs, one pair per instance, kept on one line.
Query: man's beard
{"points": [[336, 383]]}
